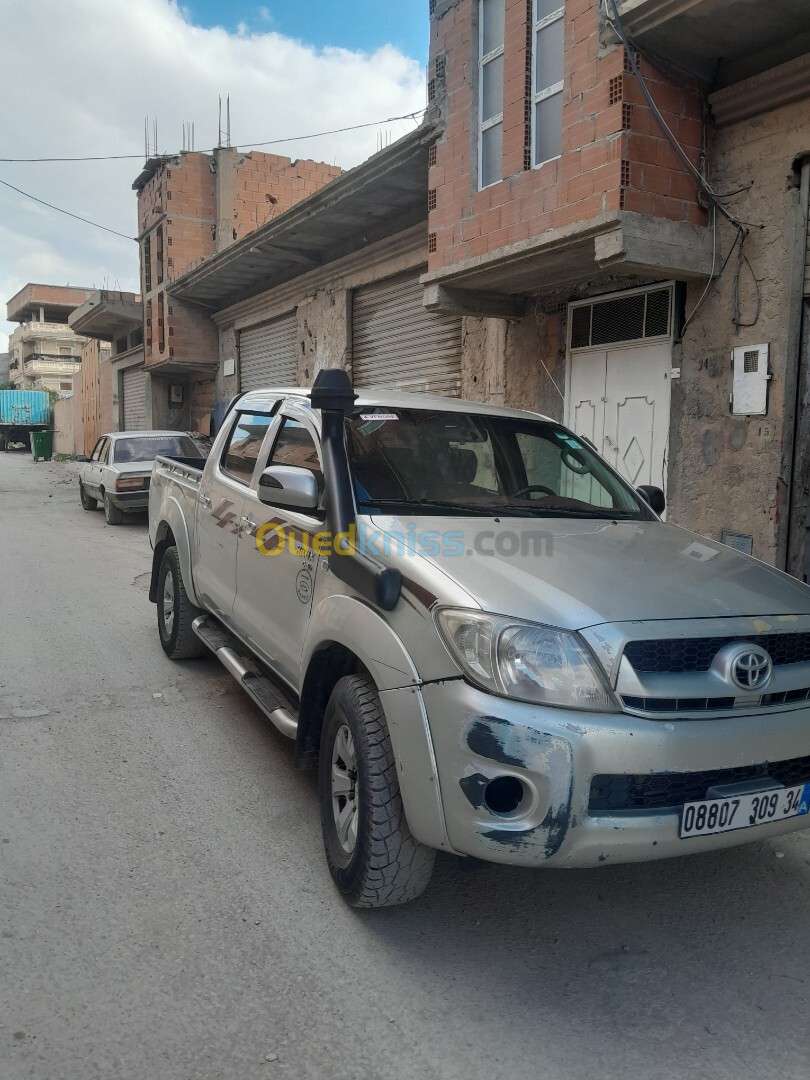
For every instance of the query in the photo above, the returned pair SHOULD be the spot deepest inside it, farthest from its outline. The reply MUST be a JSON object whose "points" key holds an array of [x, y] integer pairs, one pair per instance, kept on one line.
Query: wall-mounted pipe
{"points": [[793, 497]]}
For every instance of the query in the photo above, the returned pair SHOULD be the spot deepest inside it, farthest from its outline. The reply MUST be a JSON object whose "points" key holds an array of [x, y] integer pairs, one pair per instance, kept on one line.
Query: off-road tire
{"points": [[387, 866], [178, 641], [88, 502], [113, 515]]}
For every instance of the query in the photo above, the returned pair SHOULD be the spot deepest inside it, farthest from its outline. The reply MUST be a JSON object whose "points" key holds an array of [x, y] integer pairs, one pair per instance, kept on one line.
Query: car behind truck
{"points": [[487, 640]]}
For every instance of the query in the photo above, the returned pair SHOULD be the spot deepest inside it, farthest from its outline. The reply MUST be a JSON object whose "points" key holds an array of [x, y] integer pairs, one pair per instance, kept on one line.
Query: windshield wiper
{"points": [[438, 504], [599, 515]]}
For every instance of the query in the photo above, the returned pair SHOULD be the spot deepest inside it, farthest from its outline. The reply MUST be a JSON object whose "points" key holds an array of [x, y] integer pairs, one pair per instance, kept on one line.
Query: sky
{"points": [[348, 24], [86, 73]]}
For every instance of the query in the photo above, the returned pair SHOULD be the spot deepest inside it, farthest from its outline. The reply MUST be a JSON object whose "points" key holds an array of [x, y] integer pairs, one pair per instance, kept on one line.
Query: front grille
{"points": [[712, 704], [622, 794], [697, 654]]}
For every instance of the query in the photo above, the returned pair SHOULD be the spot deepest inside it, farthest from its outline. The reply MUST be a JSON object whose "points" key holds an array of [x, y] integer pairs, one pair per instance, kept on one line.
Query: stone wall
{"points": [[727, 471]]}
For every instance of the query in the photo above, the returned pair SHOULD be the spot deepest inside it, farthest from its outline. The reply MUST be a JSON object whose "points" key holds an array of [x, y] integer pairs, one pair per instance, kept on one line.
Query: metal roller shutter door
{"points": [[267, 354], [134, 389], [397, 343]]}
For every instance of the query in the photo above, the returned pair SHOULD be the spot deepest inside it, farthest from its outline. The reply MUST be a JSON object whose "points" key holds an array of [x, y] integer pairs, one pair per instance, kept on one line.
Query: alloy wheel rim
{"points": [[345, 789], [168, 604]]}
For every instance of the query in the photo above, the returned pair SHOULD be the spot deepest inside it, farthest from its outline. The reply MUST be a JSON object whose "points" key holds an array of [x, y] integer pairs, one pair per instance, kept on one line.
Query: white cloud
{"points": [[102, 67]]}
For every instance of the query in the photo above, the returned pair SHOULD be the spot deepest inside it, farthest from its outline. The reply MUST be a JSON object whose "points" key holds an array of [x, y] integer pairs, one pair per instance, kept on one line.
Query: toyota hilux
{"points": [[485, 638]]}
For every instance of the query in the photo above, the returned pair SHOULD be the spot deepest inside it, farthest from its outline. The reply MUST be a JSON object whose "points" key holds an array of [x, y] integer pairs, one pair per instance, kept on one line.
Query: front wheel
{"points": [[88, 502], [176, 612], [372, 856]]}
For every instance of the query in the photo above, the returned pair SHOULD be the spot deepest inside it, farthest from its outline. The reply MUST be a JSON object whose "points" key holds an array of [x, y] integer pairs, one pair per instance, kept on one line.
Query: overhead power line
{"points": [[240, 146], [67, 213]]}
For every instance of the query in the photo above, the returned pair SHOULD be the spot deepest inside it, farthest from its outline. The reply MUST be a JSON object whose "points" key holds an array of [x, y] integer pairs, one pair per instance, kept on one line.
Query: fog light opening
{"points": [[503, 795]]}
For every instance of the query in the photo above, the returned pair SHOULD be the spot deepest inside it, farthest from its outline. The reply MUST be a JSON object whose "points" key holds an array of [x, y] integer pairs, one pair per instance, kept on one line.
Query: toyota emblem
{"points": [[751, 668]]}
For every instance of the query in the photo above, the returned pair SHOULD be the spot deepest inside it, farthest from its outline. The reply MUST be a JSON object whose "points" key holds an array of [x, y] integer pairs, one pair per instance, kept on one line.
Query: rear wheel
{"points": [[175, 612], [113, 515], [88, 502], [372, 856]]}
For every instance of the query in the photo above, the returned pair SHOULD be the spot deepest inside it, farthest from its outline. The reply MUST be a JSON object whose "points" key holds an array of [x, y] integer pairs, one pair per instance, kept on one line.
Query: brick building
{"points": [[614, 231], [620, 218], [189, 208]]}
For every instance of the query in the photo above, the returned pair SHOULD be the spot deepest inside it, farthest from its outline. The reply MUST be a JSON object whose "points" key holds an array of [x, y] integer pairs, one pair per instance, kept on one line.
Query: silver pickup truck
{"points": [[490, 643]]}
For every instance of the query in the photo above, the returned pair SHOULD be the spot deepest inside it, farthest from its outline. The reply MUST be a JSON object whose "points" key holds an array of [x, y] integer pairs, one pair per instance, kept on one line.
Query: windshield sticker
{"points": [[379, 416], [569, 440]]}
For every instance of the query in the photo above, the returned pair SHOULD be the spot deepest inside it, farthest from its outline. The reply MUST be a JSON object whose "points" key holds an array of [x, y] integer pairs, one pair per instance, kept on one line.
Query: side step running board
{"points": [[259, 687]]}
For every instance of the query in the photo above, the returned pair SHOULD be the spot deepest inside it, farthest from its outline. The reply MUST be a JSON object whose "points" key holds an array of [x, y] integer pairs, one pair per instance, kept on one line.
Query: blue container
{"points": [[25, 408]]}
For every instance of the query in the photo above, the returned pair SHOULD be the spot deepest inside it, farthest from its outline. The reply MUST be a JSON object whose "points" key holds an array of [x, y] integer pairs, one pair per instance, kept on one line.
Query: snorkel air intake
{"points": [[333, 395]]}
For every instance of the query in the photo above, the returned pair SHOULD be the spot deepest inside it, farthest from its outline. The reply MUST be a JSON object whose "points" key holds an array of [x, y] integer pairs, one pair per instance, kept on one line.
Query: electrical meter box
{"points": [[749, 392]]}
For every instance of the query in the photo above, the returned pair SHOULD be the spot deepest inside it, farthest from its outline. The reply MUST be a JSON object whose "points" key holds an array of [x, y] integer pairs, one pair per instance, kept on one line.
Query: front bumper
{"points": [[555, 753]]}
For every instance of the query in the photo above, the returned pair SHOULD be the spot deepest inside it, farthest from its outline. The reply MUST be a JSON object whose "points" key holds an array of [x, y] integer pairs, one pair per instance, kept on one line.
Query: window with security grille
{"points": [[633, 316], [491, 27], [547, 79]]}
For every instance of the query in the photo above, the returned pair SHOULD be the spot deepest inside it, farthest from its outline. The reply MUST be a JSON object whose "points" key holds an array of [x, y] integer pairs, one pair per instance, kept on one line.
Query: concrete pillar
{"points": [[324, 334], [225, 158]]}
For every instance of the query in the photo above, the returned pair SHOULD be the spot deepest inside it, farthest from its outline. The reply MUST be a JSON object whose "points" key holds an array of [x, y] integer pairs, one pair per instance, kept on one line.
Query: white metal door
{"points": [[620, 398], [134, 391], [397, 343], [637, 412], [267, 354]]}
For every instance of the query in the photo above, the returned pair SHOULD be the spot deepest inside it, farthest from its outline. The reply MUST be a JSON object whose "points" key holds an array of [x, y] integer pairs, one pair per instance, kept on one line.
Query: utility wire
{"points": [[714, 198], [679, 151], [239, 146], [67, 213]]}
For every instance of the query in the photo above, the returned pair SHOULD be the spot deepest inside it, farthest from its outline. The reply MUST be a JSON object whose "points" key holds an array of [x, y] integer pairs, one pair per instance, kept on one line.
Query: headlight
{"points": [[526, 661]]}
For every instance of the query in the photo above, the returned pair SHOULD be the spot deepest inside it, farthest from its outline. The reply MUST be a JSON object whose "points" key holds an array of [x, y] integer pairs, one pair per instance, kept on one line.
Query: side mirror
{"points": [[81, 457], [653, 497], [289, 487]]}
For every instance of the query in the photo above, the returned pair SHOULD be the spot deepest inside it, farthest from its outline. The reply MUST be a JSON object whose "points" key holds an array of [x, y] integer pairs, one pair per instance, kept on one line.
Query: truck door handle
{"points": [[248, 526], [205, 500]]}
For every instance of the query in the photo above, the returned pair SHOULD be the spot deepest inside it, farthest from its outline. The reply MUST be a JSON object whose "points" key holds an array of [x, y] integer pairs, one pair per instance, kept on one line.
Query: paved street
{"points": [[166, 912]]}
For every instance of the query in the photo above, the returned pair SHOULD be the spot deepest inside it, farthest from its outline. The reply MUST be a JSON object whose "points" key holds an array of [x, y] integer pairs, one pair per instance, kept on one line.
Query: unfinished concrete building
{"points": [[190, 207]]}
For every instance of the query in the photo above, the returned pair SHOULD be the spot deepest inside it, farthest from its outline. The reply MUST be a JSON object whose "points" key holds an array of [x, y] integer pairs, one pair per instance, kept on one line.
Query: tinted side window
{"points": [[242, 450], [295, 446]]}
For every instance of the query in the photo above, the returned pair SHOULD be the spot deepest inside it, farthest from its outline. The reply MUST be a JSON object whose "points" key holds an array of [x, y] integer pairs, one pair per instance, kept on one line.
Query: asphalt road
{"points": [[166, 912]]}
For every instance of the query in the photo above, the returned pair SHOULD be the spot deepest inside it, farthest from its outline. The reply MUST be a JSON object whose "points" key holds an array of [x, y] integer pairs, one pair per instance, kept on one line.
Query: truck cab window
{"points": [[295, 446], [243, 446]]}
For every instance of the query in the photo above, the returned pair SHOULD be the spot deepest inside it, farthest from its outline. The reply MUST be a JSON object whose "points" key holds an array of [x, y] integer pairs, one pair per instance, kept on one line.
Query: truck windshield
{"points": [[425, 462], [148, 447]]}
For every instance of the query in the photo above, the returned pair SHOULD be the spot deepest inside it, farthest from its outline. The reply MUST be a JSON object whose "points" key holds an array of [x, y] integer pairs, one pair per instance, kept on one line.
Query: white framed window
{"points": [[548, 40], [491, 22]]}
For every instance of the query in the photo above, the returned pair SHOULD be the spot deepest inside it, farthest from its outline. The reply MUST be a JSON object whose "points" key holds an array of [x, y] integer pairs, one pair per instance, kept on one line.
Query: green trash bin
{"points": [[42, 445]]}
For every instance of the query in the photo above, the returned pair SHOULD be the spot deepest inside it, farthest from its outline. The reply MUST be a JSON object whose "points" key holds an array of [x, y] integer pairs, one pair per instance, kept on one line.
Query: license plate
{"points": [[743, 811]]}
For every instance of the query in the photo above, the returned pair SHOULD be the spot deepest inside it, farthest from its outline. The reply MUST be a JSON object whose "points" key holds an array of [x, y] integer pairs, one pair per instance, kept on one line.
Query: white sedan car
{"points": [[118, 471]]}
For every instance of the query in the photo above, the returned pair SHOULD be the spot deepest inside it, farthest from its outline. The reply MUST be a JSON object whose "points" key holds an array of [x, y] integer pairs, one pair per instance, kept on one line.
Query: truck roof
{"points": [[388, 399]]}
